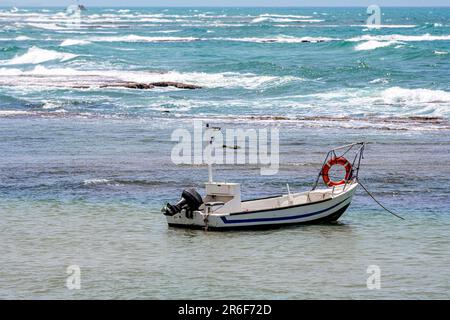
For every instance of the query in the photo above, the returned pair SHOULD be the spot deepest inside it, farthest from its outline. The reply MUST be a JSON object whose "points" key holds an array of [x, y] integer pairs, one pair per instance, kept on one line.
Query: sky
{"points": [[228, 3]]}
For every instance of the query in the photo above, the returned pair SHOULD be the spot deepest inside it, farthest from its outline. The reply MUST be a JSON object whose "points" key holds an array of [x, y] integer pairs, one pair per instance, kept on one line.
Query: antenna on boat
{"points": [[210, 171], [211, 140]]}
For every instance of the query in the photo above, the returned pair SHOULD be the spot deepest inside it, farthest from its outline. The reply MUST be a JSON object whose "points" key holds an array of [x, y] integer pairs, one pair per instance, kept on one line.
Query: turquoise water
{"points": [[85, 169]]}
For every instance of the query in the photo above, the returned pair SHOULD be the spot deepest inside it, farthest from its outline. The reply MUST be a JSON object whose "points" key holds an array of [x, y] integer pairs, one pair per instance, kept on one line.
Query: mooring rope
{"points": [[368, 192]]}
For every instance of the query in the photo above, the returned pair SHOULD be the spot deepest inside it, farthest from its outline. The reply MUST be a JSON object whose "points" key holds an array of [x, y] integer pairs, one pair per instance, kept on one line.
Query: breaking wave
{"points": [[136, 38], [397, 95], [284, 16], [379, 26], [46, 26], [373, 44], [370, 41], [36, 55], [74, 42], [91, 182], [400, 37], [284, 19], [18, 38], [12, 113], [381, 41], [68, 77]]}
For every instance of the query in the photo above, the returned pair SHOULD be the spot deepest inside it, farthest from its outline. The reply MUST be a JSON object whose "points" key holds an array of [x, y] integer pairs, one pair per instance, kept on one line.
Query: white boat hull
{"points": [[327, 210]]}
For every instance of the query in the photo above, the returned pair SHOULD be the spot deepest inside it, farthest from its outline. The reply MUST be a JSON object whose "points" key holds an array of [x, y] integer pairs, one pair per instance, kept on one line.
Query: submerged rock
{"points": [[144, 86], [176, 85]]}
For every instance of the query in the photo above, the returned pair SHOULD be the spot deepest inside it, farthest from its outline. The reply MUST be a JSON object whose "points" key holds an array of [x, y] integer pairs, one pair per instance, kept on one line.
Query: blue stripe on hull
{"points": [[224, 219]]}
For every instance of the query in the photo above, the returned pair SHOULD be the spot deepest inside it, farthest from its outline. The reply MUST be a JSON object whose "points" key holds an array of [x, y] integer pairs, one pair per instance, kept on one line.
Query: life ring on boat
{"points": [[336, 161]]}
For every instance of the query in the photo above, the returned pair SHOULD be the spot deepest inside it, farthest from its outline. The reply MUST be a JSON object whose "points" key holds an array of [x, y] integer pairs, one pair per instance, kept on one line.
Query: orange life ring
{"points": [[336, 161]]}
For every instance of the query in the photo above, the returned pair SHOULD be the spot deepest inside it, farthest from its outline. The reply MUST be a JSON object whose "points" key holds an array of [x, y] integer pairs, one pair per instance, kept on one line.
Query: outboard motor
{"points": [[190, 199]]}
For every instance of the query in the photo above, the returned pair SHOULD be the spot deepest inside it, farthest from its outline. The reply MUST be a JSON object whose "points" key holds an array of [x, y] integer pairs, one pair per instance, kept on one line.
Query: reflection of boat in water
{"points": [[222, 208]]}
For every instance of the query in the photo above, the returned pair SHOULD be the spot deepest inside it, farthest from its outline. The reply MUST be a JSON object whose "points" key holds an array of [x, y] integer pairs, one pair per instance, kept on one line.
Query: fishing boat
{"points": [[222, 208]]}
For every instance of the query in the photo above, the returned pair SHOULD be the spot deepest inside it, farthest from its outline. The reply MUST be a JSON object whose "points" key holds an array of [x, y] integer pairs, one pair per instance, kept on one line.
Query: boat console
{"points": [[222, 197]]}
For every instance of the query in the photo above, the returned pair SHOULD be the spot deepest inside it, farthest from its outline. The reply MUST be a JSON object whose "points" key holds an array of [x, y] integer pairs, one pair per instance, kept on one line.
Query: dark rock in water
{"points": [[313, 41], [175, 84], [129, 85], [138, 86], [143, 86], [302, 41]]}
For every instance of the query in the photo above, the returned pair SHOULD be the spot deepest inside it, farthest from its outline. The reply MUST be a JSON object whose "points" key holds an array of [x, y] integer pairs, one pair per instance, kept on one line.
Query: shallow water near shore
{"points": [[84, 172]]}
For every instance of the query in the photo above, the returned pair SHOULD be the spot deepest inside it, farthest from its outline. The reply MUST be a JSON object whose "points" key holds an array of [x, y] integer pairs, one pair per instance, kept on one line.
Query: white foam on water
{"points": [[157, 20], [373, 44], [279, 39], [74, 42], [397, 95], [78, 32], [379, 80], [136, 38], [213, 24], [383, 26], [260, 19], [46, 26], [53, 105], [213, 80], [36, 55], [14, 113], [440, 52], [271, 19], [164, 31], [96, 181], [69, 77], [284, 16], [400, 37], [393, 101], [391, 96], [18, 38], [10, 72], [22, 38]]}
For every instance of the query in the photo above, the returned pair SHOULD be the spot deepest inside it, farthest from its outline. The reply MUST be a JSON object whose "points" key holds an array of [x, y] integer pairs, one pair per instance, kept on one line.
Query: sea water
{"points": [[85, 168]]}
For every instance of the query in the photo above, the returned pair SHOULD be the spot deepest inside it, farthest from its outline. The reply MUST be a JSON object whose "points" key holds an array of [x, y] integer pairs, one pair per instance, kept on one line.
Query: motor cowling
{"points": [[190, 199]]}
